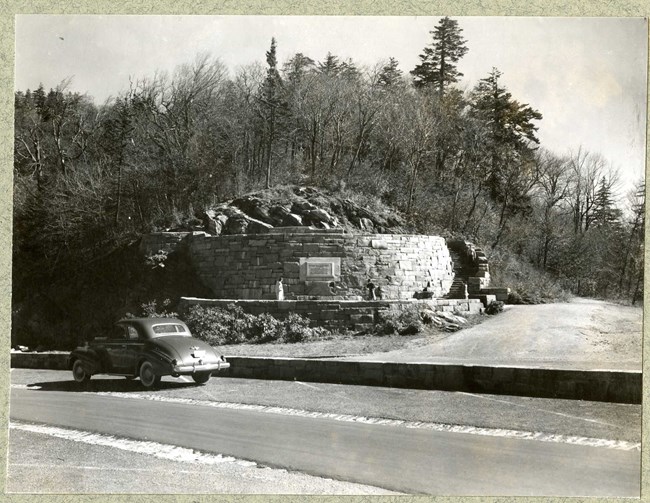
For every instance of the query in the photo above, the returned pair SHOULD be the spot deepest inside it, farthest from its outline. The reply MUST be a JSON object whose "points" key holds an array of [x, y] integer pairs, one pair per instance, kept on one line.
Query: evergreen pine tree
{"points": [[272, 102], [605, 212], [509, 125], [437, 66], [296, 68], [390, 74], [510, 143], [331, 66]]}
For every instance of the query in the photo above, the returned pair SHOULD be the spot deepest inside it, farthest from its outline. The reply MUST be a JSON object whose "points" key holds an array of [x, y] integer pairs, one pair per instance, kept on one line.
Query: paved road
{"points": [[612, 421], [412, 460], [581, 334]]}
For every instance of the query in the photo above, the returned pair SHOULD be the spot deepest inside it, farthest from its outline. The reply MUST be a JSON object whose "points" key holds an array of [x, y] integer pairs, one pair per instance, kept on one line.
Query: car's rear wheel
{"points": [[79, 372], [201, 377], [148, 376]]}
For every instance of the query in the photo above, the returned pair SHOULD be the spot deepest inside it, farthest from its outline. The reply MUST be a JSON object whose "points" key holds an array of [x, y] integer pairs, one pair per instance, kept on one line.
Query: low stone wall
{"points": [[500, 294], [53, 360], [595, 385], [338, 314]]}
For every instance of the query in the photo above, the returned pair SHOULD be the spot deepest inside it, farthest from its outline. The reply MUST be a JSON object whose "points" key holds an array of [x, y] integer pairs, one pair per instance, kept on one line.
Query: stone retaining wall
{"points": [[338, 314], [596, 385], [247, 266]]}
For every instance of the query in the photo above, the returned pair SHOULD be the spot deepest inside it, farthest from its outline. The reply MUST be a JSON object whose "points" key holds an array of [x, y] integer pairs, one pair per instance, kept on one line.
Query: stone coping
{"points": [[346, 302]]}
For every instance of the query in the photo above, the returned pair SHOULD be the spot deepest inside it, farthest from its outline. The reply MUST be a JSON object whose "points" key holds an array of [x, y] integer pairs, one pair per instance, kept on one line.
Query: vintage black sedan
{"points": [[148, 348]]}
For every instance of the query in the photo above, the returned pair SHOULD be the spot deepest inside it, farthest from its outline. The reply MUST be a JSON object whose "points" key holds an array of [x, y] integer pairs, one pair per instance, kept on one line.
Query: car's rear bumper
{"points": [[191, 369]]}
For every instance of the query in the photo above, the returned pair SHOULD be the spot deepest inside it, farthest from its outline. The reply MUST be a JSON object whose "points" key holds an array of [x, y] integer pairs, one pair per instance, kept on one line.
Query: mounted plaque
{"points": [[320, 268]]}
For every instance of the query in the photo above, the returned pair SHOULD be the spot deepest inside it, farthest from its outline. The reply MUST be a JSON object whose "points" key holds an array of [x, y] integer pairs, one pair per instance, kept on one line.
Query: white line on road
{"points": [[162, 451], [44, 466]]}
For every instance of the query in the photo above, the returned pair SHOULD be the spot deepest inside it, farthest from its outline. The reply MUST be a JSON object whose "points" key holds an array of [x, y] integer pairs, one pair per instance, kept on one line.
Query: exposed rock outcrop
{"points": [[300, 206]]}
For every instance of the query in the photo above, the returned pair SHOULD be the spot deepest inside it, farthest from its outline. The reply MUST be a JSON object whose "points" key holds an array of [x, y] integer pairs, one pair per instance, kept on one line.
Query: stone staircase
{"points": [[461, 275], [470, 266]]}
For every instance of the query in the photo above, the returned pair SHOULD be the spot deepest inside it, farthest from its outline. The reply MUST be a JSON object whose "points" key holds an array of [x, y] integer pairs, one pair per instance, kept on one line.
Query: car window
{"points": [[118, 332], [132, 333], [169, 329]]}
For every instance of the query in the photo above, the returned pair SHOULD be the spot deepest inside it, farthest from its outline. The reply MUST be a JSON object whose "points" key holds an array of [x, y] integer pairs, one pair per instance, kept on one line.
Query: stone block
{"points": [[500, 293], [405, 265], [328, 249]]}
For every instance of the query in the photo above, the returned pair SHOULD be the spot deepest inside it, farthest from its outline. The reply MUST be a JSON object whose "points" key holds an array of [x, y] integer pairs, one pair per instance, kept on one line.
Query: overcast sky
{"points": [[587, 76]]}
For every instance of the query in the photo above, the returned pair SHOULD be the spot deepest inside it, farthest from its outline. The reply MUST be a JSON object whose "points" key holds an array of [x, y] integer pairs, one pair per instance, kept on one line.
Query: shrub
{"points": [[494, 307], [529, 284], [217, 326], [296, 328], [515, 298], [230, 325], [262, 328], [404, 322], [157, 260], [150, 309]]}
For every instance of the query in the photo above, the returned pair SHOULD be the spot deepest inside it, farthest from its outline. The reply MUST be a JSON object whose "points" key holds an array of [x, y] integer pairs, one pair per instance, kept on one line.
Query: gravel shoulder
{"points": [[584, 334]]}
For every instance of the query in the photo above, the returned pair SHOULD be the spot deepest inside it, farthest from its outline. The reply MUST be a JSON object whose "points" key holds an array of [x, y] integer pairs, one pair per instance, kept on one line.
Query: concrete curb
{"points": [[595, 385]]}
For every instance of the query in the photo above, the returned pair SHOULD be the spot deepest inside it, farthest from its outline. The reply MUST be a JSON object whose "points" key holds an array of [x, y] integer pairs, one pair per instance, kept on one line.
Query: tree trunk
{"points": [[414, 174], [270, 148]]}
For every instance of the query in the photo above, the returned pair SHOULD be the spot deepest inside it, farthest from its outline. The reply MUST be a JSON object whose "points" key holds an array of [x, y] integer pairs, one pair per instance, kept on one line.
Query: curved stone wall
{"points": [[321, 264]]}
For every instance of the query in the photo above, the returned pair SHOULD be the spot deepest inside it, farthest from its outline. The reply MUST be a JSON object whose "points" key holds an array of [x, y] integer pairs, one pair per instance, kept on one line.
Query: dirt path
{"points": [[582, 334]]}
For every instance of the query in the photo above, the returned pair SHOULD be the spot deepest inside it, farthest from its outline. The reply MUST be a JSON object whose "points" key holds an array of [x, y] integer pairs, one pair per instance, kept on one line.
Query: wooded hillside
{"points": [[92, 177]]}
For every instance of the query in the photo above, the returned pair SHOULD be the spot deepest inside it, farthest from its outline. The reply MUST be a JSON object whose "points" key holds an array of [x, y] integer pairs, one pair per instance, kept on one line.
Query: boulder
{"points": [[319, 216], [291, 220], [443, 320], [366, 224], [214, 222], [278, 214], [451, 318], [254, 208], [230, 211], [257, 226], [237, 224], [301, 206], [241, 223], [305, 191]]}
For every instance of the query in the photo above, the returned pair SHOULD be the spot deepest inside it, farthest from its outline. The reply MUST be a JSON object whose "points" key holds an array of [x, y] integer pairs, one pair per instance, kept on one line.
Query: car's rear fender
{"points": [[91, 361], [161, 363]]}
